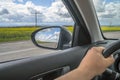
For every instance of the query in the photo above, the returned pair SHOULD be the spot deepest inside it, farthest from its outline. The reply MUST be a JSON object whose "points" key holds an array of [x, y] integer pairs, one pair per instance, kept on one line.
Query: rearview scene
{"points": [[48, 37]]}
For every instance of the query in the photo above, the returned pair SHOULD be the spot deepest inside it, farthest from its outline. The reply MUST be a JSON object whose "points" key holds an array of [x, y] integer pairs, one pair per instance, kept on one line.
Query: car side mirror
{"points": [[54, 37]]}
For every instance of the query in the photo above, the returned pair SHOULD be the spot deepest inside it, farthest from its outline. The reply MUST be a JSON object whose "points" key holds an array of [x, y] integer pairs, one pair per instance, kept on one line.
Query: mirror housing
{"points": [[54, 37]]}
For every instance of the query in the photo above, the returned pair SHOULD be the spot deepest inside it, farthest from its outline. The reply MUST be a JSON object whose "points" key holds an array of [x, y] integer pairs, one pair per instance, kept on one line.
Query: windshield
{"points": [[108, 12]]}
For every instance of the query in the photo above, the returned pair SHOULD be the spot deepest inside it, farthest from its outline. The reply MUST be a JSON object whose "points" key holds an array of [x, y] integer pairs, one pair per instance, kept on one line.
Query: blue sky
{"points": [[37, 2], [52, 12]]}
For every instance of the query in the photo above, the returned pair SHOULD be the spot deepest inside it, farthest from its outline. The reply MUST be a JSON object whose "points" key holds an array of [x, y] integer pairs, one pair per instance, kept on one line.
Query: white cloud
{"points": [[18, 12], [57, 13], [20, 1], [26, 12], [53, 37], [3, 11], [99, 4], [6, 1], [108, 11]]}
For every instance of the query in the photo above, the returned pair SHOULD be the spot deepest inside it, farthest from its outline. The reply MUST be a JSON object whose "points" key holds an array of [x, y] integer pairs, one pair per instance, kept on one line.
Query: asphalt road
{"points": [[23, 49], [112, 34]]}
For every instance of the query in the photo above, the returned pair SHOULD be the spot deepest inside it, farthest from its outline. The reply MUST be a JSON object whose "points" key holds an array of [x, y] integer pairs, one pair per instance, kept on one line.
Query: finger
{"points": [[109, 61], [98, 49], [101, 49]]}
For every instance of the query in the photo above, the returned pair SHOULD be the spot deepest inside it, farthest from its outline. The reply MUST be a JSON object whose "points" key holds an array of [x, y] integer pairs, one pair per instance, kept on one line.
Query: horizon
{"points": [[46, 25], [52, 12]]}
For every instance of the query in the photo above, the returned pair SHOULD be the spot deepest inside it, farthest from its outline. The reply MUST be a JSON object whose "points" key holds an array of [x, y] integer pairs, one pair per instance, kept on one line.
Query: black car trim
{"points": [[81, 33], [26, 68]]}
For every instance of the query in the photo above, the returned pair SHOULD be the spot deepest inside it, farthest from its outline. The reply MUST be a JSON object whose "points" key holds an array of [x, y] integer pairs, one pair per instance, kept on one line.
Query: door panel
{"points": [[26, 68]]}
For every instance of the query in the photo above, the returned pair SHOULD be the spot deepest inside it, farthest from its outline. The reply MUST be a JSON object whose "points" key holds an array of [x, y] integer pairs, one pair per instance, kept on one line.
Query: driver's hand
{"points": [[94, 62], [92, 65]]}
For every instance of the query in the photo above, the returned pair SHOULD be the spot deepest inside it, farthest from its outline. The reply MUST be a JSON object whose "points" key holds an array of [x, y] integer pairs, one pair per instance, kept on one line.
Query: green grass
{"points": [[19, 33], [24, 33], [15, 34]]}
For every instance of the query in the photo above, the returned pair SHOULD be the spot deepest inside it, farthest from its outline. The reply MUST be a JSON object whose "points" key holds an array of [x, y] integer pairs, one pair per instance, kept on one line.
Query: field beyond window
{"points": [[24, 33], [15, 34], [19, 33]]}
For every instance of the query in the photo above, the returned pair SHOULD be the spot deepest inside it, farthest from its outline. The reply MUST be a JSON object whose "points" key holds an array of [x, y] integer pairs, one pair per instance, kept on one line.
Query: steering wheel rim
{"points": [[111, 49]]}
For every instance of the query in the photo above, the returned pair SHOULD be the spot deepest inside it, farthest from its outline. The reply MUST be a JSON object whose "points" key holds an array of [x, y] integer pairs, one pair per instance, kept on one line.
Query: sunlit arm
{"points": [[92, 65]]}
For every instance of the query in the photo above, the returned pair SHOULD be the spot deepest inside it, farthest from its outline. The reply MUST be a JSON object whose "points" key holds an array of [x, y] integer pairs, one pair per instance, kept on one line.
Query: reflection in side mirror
{"points": [[48, 37], [55, 37]]}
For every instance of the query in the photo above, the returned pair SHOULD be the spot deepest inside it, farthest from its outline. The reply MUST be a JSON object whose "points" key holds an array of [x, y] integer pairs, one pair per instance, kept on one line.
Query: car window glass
{"points": [[19, 18], [108, 12]]}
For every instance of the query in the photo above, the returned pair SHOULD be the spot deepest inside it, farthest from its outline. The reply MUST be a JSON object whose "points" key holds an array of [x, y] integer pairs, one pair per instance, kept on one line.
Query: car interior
{"points": [[71, 49]]}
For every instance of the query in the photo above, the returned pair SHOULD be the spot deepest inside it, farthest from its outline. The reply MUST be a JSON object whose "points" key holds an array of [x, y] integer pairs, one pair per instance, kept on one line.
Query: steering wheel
{"points": [[109, 74], [111, 49]]}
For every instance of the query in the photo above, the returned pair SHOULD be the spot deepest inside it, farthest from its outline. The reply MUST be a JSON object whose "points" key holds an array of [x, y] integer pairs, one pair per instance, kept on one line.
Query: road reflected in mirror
{"points": [[48, 37]]}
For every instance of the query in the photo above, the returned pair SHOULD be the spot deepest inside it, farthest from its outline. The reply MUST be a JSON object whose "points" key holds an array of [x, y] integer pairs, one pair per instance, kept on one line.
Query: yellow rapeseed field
{"points": [[15, 34], [24, 33]]}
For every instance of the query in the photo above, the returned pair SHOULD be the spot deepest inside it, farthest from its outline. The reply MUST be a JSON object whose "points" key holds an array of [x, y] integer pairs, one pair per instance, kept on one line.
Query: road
{"points": [[112, 34], [23, 49]]}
